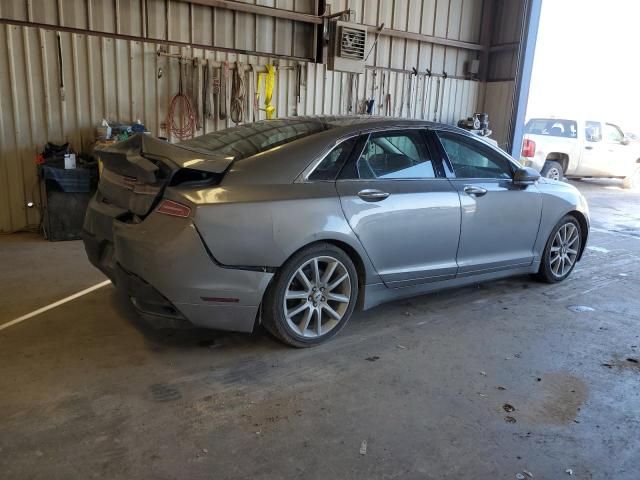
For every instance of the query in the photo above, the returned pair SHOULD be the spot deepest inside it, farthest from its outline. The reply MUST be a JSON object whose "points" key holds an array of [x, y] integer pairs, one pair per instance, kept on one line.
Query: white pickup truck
{"points": [[570, 148]]}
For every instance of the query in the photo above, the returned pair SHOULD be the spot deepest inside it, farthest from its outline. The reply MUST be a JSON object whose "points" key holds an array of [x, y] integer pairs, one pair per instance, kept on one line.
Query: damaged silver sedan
{"points": [[294, 223]]}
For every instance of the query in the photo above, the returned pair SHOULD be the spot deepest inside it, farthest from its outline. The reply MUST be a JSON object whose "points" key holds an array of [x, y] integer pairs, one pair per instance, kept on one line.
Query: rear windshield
{"points": [[246, 140], [552, 127]]}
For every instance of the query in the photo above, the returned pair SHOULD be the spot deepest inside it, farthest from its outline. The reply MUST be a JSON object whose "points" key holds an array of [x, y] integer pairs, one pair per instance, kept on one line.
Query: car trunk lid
{"points": [[136, 171]]}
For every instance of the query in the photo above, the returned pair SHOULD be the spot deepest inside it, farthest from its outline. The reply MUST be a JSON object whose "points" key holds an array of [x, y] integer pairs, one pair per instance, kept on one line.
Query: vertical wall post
{"points": [[525, 68]]}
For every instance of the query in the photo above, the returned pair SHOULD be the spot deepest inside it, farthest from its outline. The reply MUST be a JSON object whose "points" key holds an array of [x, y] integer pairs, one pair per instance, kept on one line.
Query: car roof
{"points": [[246, 140], [356, 122], [284, 163]]}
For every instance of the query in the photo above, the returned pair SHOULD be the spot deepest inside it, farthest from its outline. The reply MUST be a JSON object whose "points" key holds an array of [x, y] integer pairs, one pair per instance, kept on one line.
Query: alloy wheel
{"points": [[564, 249], [317, 296], [553, 173]]}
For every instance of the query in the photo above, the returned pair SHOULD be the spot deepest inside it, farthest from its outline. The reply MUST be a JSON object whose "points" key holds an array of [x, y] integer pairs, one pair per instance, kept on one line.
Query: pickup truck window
{"points": [[593, 131], [552, 127], [613, 134]]}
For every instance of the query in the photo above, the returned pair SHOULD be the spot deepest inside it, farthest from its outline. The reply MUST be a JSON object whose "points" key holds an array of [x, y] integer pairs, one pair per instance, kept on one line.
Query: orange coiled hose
{"points": [[181, 119]]}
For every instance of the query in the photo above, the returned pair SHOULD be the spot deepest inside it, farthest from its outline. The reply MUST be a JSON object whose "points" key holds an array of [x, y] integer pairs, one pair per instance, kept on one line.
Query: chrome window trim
{"points": [[414, 179]]}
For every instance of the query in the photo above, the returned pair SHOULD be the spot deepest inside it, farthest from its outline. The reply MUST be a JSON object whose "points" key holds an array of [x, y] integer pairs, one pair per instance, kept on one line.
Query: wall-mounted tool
{"points": [[298, 85], [215, 92], [60, 67], [478, 124], [410, 90], [238, 93], [444, 80], [195, 91], [181, 117], [352, 92], [426, 90], [222, 98], [207, 104], [250, 94], [370, 104], [269, 84], [437, 102]]}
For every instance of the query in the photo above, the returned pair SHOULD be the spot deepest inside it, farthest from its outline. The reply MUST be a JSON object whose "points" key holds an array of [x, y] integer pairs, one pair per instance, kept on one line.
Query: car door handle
{"points": [[371, 195], [588, 147], [474, 190]]}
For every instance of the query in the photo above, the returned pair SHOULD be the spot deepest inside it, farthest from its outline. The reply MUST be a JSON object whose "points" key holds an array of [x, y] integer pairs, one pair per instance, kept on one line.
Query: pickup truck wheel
{"points": [[633, 180], [552, 170]]}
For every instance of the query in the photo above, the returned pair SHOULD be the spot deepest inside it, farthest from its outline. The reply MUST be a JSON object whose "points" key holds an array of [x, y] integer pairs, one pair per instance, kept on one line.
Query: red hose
{"points": [[182, 126]]}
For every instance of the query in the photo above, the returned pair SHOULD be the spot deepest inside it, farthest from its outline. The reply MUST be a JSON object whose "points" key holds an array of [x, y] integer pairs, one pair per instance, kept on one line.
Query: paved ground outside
{"points": [[482, 383]]}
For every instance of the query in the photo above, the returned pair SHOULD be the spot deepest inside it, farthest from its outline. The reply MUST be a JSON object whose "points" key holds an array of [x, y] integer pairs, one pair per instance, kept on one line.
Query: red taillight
{"points": [[528, 148], [175, 209]]}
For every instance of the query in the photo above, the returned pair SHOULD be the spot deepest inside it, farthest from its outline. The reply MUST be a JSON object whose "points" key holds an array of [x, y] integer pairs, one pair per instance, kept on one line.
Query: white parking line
{"points": [[54, 305]]}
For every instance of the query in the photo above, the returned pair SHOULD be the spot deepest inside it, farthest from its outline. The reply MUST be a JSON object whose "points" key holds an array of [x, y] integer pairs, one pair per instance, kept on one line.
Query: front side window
{"points": [[330, 166], [395, 155], [593, 131], [470, 159], [613, 134]]}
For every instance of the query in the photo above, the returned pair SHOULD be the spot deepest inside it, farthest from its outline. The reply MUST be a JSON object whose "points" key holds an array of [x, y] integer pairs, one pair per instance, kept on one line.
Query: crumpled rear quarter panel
{"points": [[263, 225], [167, 253]]}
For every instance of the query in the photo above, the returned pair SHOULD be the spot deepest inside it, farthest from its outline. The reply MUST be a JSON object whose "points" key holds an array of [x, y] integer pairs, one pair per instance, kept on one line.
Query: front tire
{"points": [[312, 296], [561, 252], [552, 170]]}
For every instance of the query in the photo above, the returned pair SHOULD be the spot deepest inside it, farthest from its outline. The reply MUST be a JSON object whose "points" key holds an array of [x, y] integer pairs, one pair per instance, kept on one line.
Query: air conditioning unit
{"points": [[348, 42]]}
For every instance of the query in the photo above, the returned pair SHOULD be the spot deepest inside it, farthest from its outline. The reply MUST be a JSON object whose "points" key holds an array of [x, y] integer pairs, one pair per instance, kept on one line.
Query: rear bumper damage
{"points": [[162, 265]]}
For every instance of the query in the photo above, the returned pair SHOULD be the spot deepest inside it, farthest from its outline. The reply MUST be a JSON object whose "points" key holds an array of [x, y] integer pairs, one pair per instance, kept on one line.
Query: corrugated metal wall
{"points": [[117, 78], [502, 67]]}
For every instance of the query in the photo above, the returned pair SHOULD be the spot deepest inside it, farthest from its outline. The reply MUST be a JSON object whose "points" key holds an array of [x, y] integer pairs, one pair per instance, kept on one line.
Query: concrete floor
{"points": [[87, 390]]}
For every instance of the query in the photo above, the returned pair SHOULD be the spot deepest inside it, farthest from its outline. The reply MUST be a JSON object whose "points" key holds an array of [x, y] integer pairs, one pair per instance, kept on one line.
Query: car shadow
{"points": [[189, 336]]}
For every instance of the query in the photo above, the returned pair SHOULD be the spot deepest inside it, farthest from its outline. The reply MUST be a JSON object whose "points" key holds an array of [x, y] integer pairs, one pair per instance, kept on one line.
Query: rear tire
{"points": [[633, 180], [552, 170], [312, 296], [561, 251]]}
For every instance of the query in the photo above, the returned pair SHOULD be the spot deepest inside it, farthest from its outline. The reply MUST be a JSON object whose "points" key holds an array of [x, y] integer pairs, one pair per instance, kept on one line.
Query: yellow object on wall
{"points": [[269, 83]]}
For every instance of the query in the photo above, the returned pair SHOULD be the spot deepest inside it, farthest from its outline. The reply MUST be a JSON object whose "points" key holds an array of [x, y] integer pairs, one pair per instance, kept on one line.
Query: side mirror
{"points": [[526, 176], [625, 141]]}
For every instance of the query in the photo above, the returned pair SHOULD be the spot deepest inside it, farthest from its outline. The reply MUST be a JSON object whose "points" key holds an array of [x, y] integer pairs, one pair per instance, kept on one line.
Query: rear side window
{"points": [[330, 166], [395, 155], [593, 131], [470, 159], [552, 127]]}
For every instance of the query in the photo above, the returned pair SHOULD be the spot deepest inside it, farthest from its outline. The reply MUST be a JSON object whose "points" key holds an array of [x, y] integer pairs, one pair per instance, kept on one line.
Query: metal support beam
{"points": [[260, 10], [525, 68], [133, 38], [486, 29], [317, 20], [505, 47], [447, 42]]}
